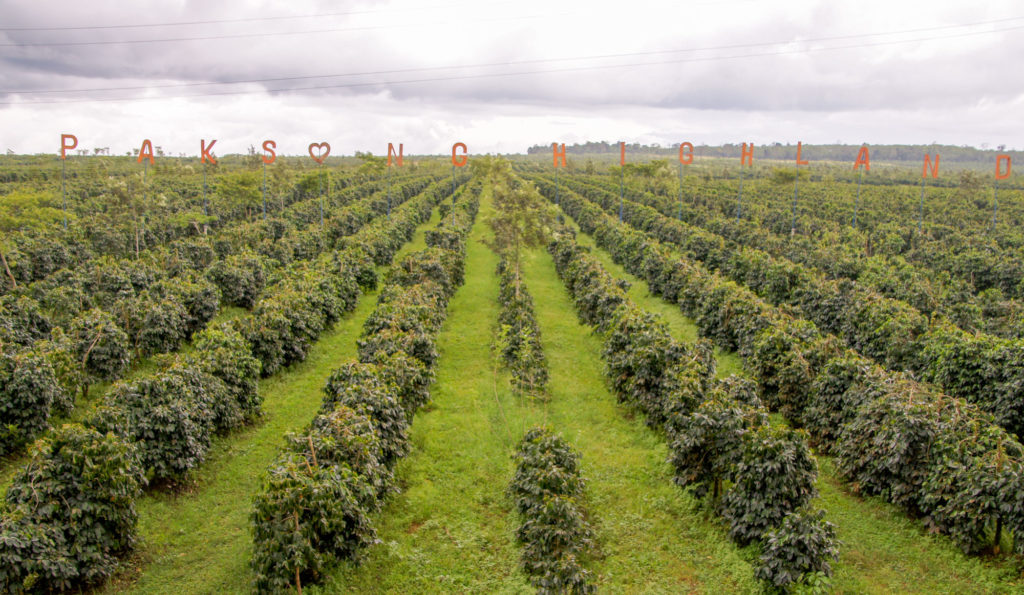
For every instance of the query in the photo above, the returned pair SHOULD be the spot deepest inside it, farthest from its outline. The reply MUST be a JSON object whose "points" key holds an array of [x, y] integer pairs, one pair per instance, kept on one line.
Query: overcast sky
{"points": [[501, 76]]}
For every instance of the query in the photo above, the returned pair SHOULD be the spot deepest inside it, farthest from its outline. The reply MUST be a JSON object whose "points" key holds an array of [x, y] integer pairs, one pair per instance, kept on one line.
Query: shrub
{"points": [[704, 445], [344, 436], [73, 505], [223, 352], [410, 376], [360, 387], [546, 489], [240, 277], [28, 390], [168, 420], [303, 519], [774, 475], [100, 345], [799, 551]]}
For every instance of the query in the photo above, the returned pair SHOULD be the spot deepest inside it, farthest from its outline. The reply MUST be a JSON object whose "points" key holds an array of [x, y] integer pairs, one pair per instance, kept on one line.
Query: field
{"points": [[502, 378]]}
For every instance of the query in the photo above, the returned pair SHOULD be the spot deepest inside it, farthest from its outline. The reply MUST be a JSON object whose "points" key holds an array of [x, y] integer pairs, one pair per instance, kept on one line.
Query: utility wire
{"points": [[57, 44], [247, 20], [533, 72], [543, 60]]}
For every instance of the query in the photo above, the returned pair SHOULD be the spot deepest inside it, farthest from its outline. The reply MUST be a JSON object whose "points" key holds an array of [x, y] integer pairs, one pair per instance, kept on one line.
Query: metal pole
{"points": [[856, 204], [622, 189], [796, 191], [920, 212], [204, 190], [264, 191], [739, 201], [558, 201], [389, 192], [680, 214], [320, 185], [995, 203], [63, 189]]}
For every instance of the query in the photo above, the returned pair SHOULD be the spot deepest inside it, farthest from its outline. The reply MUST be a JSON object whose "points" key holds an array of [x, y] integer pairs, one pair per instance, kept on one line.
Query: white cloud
{"points": [[965, 89]]}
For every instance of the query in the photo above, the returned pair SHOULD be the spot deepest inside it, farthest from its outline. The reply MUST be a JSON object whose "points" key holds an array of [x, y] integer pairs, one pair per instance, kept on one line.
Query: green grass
{"points": [[452, 529], [197, 540], [11, 463], [882, 551], [682, 327]]}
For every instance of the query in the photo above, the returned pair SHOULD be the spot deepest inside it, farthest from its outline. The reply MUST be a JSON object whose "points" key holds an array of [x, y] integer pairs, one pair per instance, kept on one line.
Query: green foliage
{"points": [[28, 391], [547, 488], [237, 191], [168, 418], [159, 325], [240, 279], [345, 436], [21, 322], [705, 446], [799, 552], [774, 475], [360, 387], [70, 512], [100, 344], [303, 519], [519, 335], [223, 352]]}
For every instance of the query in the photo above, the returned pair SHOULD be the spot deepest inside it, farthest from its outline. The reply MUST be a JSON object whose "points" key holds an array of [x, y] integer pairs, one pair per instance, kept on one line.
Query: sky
{"points": [[502, 76]]}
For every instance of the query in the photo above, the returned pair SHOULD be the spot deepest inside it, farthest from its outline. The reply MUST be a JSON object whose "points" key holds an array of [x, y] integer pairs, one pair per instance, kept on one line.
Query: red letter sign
{"points": [[64, 146], [799, 149], [271, 156], [747, 155], [556, 154], [456, 161], [146, 152], [1009, 166], [929, 166], [863, 159], [391, 151], [686, 153], [622, 153], [204, 151]]}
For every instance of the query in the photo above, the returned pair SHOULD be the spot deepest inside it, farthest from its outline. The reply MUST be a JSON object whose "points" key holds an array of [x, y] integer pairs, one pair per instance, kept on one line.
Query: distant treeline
{"points": [[787, 152]]}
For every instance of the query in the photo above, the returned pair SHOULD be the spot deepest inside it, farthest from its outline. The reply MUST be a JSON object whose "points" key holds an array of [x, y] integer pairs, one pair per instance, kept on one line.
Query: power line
{"points": [[266, 34], [243, 20], [532, 61], [522, 73]]}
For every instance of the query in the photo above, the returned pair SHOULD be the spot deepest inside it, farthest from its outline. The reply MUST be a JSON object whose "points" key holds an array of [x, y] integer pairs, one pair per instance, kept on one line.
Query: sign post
{"points": [[1000, 175], [64, 146], [863, 162], [685, 158], [746, 156], [323, 150], [796, 184]]}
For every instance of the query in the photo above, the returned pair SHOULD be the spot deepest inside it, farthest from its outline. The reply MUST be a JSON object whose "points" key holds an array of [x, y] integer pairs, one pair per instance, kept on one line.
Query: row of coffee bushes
{"points": [[930, 291], [547, 489], [957, 236], [34, 254], [840, 253], [939, 457], [985, 370], [42, 366], [519, 333], [69, 514], [314, 506], [760, 478]]}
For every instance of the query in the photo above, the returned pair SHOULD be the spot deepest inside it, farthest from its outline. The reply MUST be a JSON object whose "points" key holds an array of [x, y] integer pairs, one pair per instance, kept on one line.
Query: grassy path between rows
{"points": [[882, 551], [452, 530], [198, 541]]}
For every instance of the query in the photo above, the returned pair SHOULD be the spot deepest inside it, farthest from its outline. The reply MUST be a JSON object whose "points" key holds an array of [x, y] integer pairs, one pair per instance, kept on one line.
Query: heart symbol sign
{"points": [[323, 150]]}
